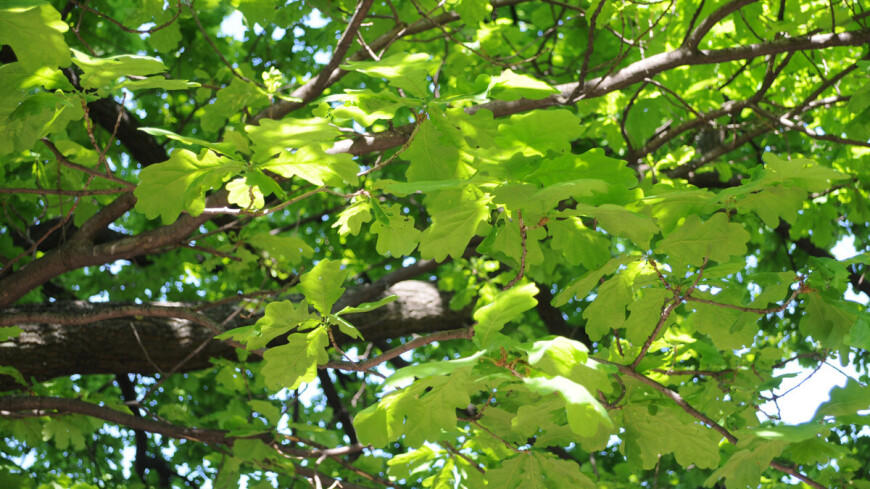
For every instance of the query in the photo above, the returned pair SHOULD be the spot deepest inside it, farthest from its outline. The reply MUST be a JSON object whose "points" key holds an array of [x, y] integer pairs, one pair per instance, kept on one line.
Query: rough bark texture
{"points": [[110, 346]]}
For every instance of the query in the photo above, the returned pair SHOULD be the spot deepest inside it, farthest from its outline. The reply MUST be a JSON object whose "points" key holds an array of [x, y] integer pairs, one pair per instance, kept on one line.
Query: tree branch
{"points": [[634, 73], [313, 88], [57, 406], [57, 343], [463, 333], [650, 67], [694, 39]]}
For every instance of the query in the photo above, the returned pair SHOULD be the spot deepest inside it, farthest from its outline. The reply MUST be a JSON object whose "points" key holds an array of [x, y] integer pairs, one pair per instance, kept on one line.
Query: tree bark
{"points": [[62, 339]]}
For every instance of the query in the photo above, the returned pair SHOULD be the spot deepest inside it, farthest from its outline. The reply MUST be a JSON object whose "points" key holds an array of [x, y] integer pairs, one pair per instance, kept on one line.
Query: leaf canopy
{"points": [[455, 244]]}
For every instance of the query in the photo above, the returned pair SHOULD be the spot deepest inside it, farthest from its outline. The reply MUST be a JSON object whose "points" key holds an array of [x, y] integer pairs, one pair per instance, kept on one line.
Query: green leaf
{"points": [[253, 450], [180, 183], [322, 285], [607, 310], [455, 218], [258, 11], [578, 243], [846, 400], [244, 195], [532, 470], [511, 86], [622, 222], [645, 313], [581, 287], [14, 373], [103, 72], [367, 306], [567, 358], [715, 238], [814, 451], [16, 76], [351, 219], [65, 433], [311, 163], [152, 82], [33, 117], [592, 164], [278, 318], [396, 234], [538, 203], [774, 203], [408, 72], [643, 119], [268, 409], [410, 463], [231, 101], [647, 436], [585, 414], [730, 329], [9, 332], [804, 173], [505, 243], [472, 12], [429, 369], [225, 148], [403, 189], [523, 133], [669, 205], [505, 307], [744, 468], [383, 422], [432, 157], [345, 327], [825, 320], [859, 335], [296, 363], [34, 30], [286, 248], [420, 412], [271, 137], [367, 107], [439, 398]]}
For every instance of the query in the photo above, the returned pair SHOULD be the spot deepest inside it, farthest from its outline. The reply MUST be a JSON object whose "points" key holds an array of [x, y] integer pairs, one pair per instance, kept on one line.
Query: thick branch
{"points": [[570, 93], [62, 339], [53, 406], [78, 252], [650, 67], [47, 406]]}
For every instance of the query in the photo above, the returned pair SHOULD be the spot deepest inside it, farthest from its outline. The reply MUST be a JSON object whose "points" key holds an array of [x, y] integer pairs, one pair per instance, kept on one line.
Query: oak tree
{"points": [[442, 244]]}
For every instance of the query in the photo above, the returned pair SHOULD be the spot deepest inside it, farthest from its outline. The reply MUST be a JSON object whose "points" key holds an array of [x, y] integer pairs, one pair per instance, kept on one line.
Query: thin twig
{"points": [[66, 162], [216, 50], [76, 193], [128, 29], [523, 230], [769, 310], [794, 473], [173, 370], [462, 333], [626, 370], [144, 350], [455, 452], [666, 313]]}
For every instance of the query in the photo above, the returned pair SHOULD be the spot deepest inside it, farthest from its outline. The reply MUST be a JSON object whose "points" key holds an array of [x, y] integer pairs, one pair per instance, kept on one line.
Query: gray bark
{"points": [[60, 339]]}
